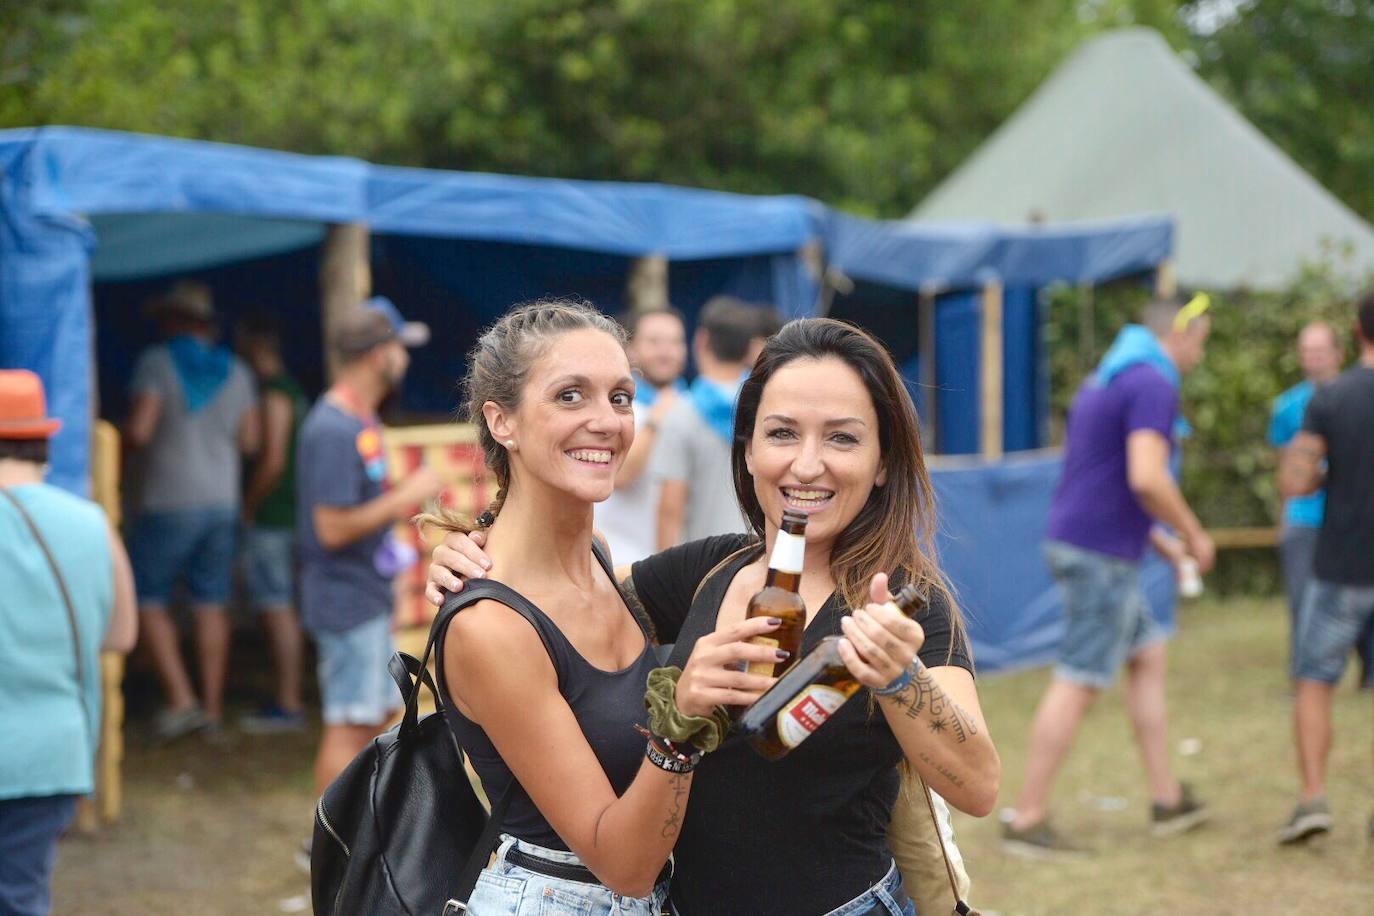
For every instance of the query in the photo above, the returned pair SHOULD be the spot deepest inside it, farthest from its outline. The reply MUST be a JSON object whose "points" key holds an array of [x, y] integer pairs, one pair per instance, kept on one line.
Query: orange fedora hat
{"points": [[23, 409]]}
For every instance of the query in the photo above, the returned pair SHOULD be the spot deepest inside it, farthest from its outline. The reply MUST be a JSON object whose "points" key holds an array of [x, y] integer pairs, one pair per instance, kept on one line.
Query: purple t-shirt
{"points": [[1093, 506]]}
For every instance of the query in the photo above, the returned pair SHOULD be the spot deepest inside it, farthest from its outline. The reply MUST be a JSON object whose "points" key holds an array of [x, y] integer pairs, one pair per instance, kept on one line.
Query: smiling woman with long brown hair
{"points": [[824, 426]]}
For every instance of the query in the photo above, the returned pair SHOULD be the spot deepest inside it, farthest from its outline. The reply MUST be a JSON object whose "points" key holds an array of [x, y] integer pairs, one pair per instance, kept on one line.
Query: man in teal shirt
{"points": [[1320, 355]]}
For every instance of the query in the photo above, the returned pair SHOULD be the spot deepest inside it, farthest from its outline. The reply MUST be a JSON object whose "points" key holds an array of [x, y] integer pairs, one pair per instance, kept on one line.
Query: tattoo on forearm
{"points": [[942, 770], [673, 823], [925, 695]]}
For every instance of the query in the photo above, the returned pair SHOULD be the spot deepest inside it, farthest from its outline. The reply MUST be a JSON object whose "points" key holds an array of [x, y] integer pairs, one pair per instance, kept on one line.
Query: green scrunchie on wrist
{"points": [[667, 721]]}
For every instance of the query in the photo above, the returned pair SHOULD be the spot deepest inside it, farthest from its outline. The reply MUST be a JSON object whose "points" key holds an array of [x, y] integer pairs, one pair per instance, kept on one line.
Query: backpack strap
{"points": [[747, 548], [960, 907], [474, 590], [66, 603]]}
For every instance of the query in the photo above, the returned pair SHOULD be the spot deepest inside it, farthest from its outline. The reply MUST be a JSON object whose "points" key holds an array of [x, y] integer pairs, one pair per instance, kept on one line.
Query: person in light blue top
{"points": [[1319, 354], [49, 710]]}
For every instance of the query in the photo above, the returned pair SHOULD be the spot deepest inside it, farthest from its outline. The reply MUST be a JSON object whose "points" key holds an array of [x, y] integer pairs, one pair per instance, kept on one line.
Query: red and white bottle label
{"points": [[807, 712]]}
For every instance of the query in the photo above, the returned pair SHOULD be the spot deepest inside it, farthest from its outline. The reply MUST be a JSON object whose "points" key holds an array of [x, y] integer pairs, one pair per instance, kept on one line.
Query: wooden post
{"points": [[1087, 328], [1166, 280], [647, 285], [345, 280], [991, 364], [925, 342], [105, 805]]}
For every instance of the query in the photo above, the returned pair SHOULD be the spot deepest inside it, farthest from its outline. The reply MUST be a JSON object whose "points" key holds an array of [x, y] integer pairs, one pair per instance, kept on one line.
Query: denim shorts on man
{"points": [[1329, 627], [268, 564], [504, 889], [355, 688], [193, 545], [1106, 617]]}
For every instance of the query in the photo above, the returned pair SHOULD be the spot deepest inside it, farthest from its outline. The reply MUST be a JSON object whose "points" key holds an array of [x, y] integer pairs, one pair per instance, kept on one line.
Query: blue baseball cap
{"points": [[375, 322]]}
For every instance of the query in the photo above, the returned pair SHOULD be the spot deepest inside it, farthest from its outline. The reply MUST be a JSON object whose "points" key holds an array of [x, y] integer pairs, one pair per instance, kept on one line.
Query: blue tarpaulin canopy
{"points": [[92, 223]]}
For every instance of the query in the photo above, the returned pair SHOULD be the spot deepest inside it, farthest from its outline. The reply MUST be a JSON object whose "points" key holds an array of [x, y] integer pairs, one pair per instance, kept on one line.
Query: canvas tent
{"points": [[1125, 127], [122, 214], [92, 223]]}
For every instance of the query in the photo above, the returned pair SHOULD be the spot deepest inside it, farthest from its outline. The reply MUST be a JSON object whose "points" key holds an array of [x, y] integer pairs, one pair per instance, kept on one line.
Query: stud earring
{"points": [[510, 444]]}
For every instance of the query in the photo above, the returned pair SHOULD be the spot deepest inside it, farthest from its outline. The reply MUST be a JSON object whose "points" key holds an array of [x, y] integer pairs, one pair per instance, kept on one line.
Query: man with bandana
{"points": [[193, 414], [1116, 490]]}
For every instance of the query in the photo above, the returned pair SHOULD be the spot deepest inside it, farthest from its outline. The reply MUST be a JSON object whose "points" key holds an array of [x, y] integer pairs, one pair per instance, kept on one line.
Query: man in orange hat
{"points": [[68, 595]]}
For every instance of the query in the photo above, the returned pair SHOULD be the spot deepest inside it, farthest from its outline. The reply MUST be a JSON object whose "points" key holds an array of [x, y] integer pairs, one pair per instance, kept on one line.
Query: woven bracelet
{"points": [[902, 681]]}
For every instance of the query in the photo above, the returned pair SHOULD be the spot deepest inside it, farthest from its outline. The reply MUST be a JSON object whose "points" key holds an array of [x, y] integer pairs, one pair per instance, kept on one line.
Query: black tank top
{"points": [[607, 704]]}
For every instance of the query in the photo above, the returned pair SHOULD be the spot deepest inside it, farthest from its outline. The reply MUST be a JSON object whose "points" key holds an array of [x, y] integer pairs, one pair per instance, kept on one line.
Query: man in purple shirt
{"points": [[1115, 491]]}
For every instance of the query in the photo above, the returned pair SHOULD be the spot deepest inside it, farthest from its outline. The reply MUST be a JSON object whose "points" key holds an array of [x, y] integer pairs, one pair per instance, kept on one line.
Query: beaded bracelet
{"points": [[669, 755], [902, 681]]}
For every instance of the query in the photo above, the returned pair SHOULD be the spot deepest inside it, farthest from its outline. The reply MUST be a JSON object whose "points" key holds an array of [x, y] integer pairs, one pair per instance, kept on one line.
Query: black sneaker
{"points": [[1309, 819], [1040, 841], [1170, 820]]}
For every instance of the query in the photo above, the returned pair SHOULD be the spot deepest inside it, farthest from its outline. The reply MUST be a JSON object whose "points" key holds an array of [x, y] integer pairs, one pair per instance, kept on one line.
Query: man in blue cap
{"points": [[345, 512]]}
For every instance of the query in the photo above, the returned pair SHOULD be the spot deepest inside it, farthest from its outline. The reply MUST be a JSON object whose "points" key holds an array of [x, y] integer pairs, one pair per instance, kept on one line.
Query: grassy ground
{"points": [[212, 830], [1228, 691]]}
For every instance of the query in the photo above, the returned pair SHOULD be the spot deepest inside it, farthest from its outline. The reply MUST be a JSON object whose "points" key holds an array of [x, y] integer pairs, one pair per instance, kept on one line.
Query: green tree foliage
{"points": [[1303, 72], [862, 103]]}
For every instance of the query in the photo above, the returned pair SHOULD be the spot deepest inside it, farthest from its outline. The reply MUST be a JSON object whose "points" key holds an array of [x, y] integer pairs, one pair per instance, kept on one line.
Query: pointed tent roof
{"points": [[1126, 127]]}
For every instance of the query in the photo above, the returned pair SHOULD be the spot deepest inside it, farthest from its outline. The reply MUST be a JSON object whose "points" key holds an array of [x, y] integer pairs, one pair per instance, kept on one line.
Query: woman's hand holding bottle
{"points": [[879, 640]]}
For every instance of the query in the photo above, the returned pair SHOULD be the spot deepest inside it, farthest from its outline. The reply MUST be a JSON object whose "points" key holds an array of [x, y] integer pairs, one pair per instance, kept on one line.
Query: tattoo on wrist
{"points": [[673, 823], [924, 695]]}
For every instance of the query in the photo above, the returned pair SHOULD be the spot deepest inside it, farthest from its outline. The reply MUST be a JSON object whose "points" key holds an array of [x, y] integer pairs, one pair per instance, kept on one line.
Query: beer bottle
{"points": [[809, 693], [779, 597]]}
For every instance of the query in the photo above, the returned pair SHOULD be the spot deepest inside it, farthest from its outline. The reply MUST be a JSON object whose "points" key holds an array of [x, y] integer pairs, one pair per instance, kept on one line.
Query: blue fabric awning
{"points": [[915, 256]]}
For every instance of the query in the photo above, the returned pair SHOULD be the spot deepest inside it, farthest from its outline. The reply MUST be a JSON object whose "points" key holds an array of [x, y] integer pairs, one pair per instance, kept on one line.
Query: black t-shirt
{"points": [[806, 833], [1342, 413]]}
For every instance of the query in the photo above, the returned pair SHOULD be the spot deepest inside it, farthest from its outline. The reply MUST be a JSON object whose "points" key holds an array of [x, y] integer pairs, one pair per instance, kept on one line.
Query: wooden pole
{"points": [[1087, 328], [925, 341], [647, 285], [1166, 280], [345, 280], [991, 374]]}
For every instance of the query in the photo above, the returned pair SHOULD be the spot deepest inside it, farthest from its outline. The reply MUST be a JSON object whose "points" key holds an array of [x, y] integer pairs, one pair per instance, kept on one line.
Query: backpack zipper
{"points": [[329, 828]]}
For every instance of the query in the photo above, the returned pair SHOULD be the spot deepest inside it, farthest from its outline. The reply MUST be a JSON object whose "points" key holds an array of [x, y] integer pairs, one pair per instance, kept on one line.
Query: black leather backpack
{"points": [[401, 832]]}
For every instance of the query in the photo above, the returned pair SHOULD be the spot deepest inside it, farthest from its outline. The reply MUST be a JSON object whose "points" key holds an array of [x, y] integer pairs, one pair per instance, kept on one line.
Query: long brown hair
{"points": [[498, 367], [894, 531]]}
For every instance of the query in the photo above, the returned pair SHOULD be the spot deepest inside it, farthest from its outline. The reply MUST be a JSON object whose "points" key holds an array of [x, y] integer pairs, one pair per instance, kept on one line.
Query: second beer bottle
{"points": [[779, 596]]}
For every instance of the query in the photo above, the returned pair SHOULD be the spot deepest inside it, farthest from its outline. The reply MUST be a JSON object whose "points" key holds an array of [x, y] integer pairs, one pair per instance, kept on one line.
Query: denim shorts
{"points": [[267, 560], [355, 688], [510, 890], [193, 545], [1106, 617], [1329, 627]]}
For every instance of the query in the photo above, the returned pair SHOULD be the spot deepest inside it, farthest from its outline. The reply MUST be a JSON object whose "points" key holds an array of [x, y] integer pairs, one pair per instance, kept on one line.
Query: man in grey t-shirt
{"points": [[193, 414], [692, 456]]}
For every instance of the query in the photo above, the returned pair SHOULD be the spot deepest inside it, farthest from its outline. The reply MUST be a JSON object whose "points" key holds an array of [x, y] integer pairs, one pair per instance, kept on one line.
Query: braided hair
{"points": [[498, 367]]}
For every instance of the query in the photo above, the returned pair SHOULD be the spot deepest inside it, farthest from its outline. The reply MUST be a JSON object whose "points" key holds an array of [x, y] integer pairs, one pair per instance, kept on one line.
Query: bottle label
{"points": [[808, 712], [763, 669], [789, 553]]}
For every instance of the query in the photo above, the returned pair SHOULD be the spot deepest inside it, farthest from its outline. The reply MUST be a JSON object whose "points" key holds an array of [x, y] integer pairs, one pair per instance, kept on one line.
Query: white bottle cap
{"points": [[1189, 581]]}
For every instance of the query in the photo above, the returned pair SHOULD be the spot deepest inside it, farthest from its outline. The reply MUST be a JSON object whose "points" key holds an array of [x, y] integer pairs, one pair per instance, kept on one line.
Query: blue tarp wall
{"points": [[992, 514], [455, 249]]}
